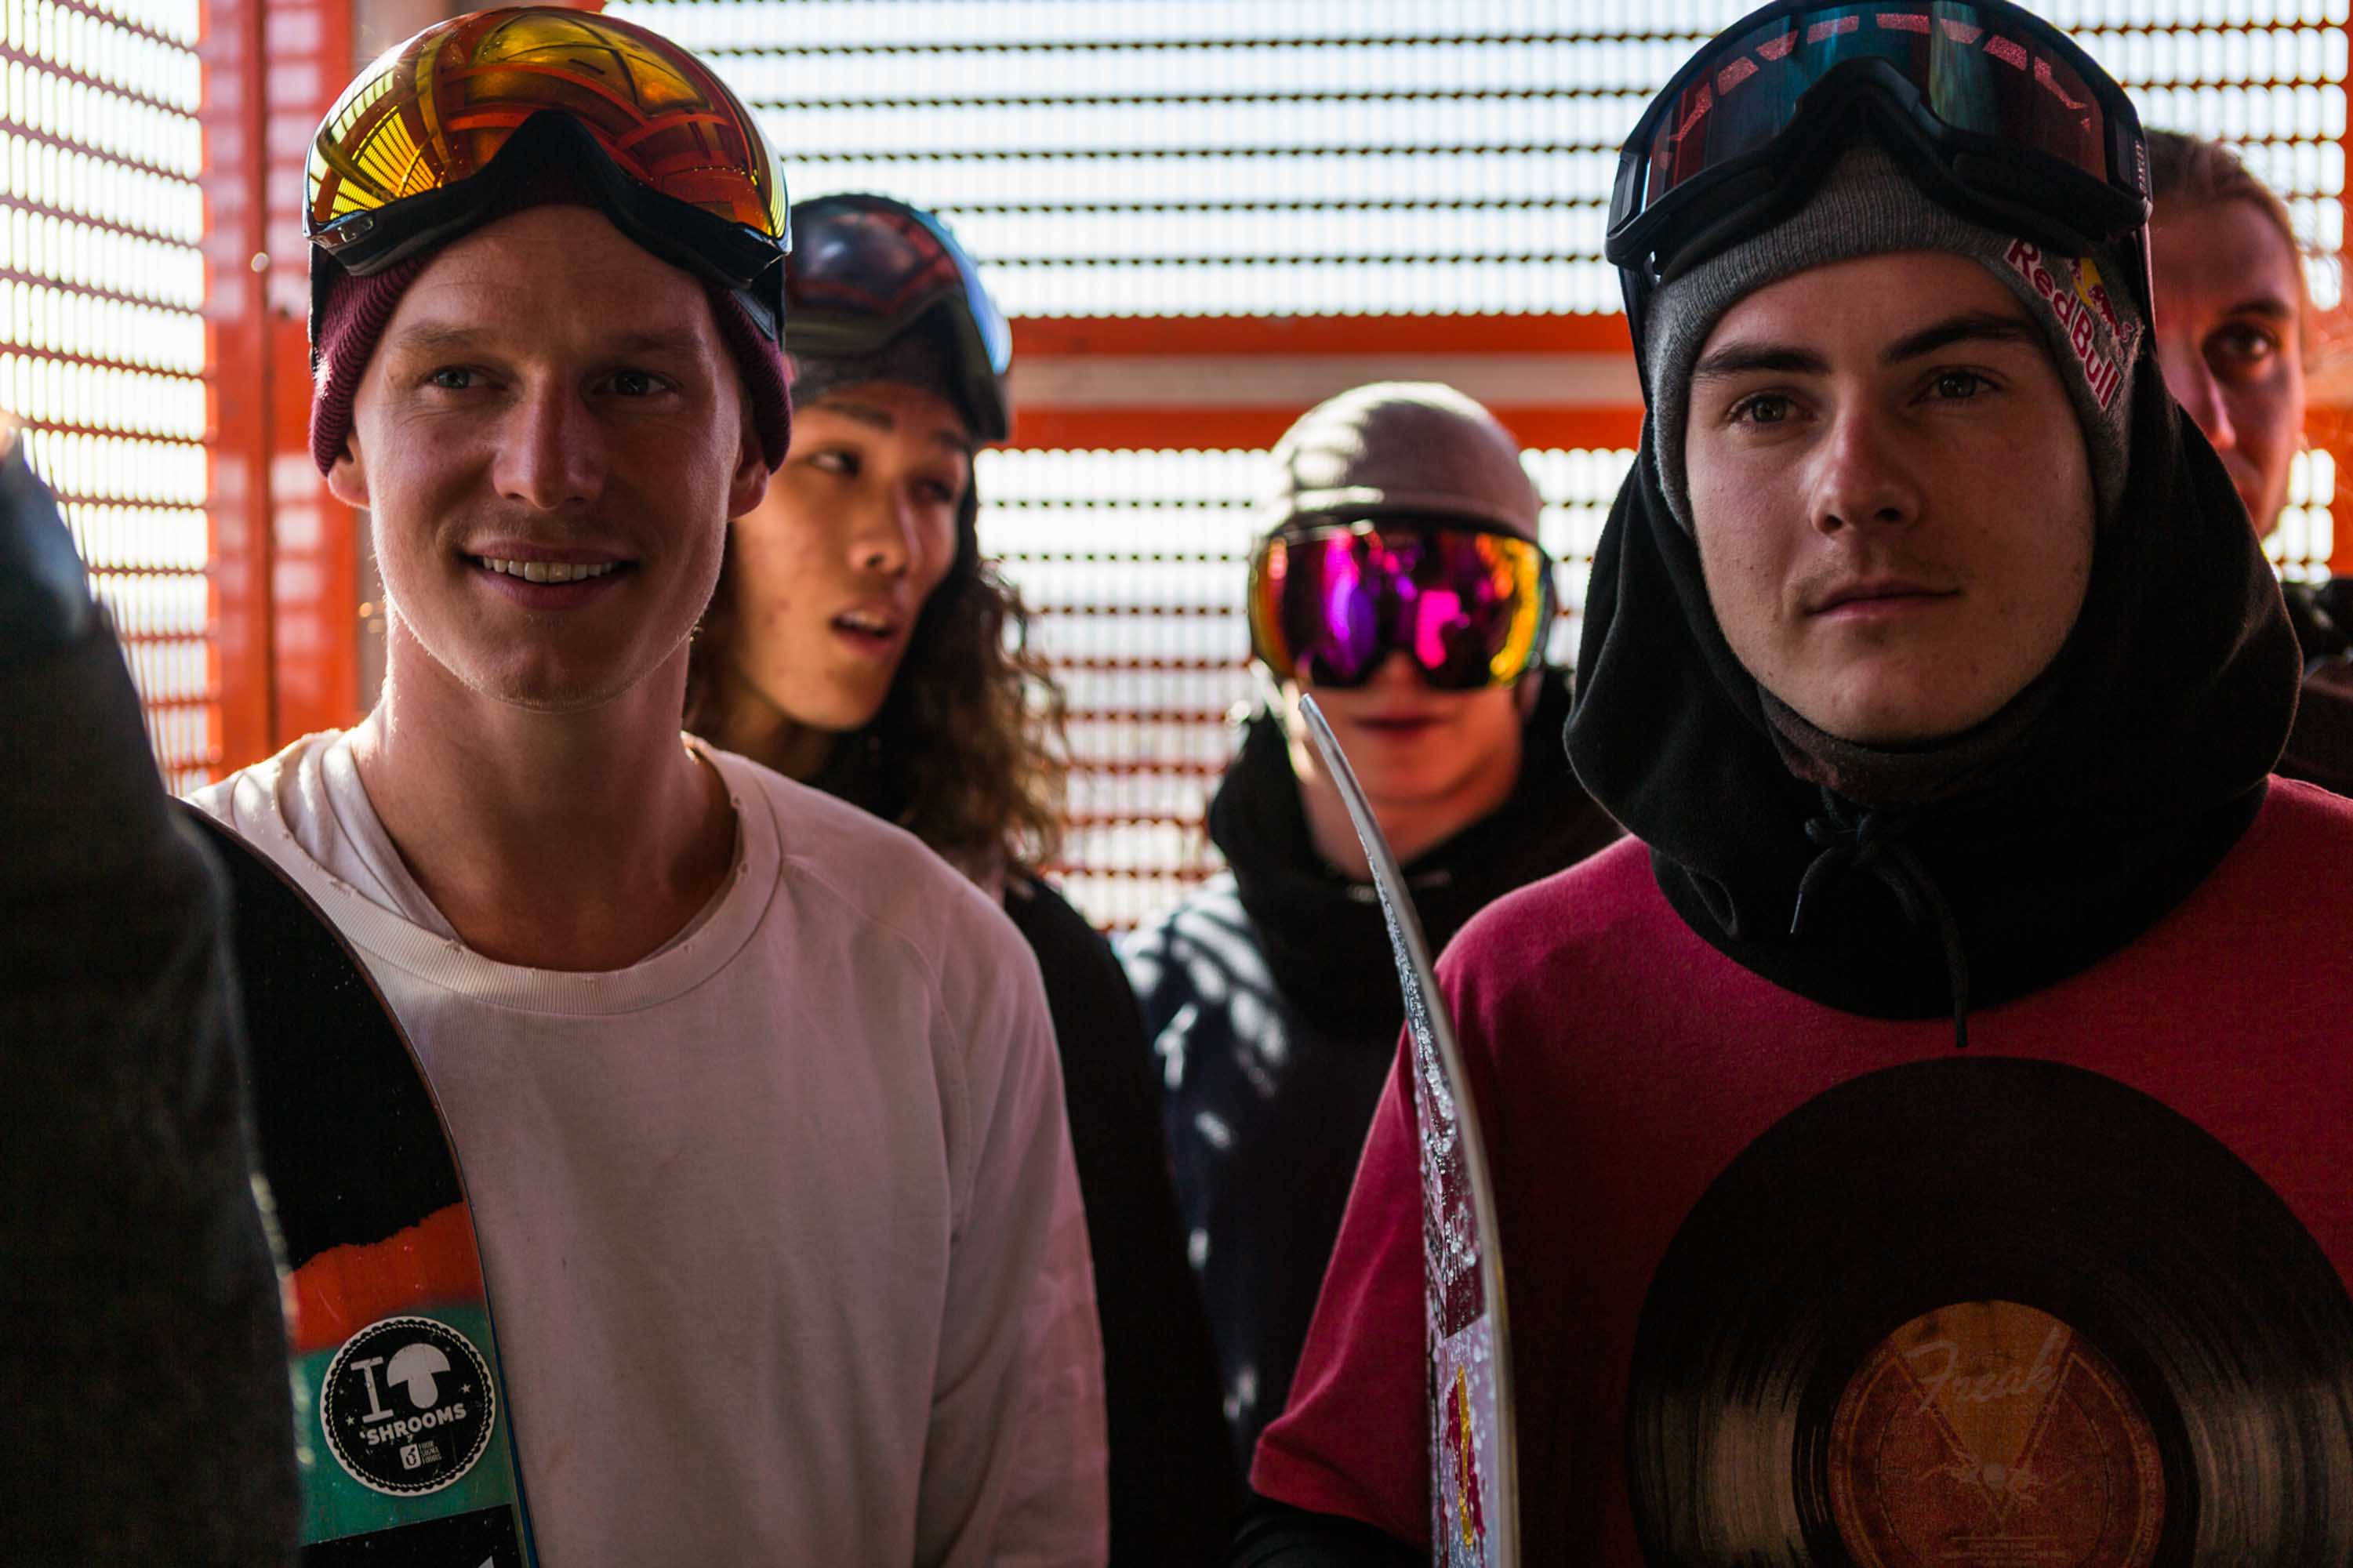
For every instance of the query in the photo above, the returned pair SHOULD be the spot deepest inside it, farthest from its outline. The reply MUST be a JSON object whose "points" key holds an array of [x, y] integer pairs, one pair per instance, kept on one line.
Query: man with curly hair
{"points": [[1269, 992]]}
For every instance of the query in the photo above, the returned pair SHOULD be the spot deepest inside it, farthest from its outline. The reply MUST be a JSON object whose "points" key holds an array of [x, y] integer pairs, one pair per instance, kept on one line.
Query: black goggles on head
{"points": [[866, 267], [427, 139], [1998, 114]]}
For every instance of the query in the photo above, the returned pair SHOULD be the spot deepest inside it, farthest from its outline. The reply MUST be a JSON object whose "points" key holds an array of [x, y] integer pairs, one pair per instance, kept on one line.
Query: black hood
{"points": [[1323, 936], [2143, 760]]}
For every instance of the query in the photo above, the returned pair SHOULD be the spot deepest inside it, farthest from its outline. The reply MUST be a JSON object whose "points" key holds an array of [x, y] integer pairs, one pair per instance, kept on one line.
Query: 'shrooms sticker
{"points": [[407, 1405]]}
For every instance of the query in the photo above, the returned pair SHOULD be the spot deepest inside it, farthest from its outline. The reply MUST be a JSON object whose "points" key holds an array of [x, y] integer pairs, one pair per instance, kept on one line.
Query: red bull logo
{"points": [[2078, 299]]}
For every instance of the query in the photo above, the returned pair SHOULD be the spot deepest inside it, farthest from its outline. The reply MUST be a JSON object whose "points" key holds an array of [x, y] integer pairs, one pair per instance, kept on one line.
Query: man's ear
{"points": [[347, 480], [749, 482], [1529, 693]]}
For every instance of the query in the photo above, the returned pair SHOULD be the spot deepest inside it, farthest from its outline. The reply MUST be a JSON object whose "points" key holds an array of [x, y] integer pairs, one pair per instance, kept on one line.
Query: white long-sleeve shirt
{"points": [[780, 1223]]}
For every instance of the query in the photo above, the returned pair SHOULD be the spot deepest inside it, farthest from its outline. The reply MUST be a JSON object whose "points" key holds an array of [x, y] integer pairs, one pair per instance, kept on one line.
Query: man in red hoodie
{"points": [[1922, 1139]]}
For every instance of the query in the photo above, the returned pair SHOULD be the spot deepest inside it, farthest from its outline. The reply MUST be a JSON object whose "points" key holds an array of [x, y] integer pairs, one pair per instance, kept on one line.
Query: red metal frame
{"points": [[1368, 335], [237, 443], [1376, 340], [285, 553], [1218, 429], [314, 545]]}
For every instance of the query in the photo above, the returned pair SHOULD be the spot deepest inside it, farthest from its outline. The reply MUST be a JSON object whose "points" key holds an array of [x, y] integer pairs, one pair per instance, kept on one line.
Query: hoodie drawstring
{"points": [[1866, 840]]}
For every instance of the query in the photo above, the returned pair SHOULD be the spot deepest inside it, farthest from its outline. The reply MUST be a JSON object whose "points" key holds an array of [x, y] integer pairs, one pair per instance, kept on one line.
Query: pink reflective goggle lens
{"points": [[1469, 608]]}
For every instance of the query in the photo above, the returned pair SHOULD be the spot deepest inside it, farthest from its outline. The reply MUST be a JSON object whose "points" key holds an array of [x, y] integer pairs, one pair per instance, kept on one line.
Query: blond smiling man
{"points": [[757, 1099]]}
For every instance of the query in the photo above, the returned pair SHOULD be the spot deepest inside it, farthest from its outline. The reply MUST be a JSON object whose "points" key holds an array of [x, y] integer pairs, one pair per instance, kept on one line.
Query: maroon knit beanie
{"points": [[357, 308]]}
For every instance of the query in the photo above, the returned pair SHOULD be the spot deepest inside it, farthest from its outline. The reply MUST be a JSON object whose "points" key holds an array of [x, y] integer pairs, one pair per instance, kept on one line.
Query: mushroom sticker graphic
{"points": [[418, 1365]]}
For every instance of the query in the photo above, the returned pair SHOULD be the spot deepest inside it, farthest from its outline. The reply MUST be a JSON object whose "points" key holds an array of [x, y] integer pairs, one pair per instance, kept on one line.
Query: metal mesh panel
{"points": [[101, 348]]}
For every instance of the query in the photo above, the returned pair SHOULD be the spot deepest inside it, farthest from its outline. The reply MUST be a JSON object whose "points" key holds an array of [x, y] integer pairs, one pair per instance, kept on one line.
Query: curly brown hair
{"points": [[968, 752]]}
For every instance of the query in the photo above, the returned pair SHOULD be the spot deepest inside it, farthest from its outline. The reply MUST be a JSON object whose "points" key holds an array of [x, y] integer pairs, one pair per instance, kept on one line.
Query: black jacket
{"points": [[1172, 1496], [2320, 748], [143, 1358], [1274, 1006]]}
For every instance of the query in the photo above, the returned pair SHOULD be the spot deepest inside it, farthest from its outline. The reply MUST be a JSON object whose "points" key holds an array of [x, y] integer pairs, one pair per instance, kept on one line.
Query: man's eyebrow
{"points": [[1745, 359], [1969, 326], [431, 338], [436, 338], [1789, 359], [864, 413], [678, 341]]}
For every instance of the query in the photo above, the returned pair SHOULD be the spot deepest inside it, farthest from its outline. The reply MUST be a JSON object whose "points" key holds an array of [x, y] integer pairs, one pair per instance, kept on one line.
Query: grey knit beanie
{"points": [[1404, 449], [1867, 205]]}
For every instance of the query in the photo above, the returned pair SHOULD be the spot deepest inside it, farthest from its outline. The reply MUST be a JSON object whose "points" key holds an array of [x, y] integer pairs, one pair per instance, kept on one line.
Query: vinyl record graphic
{"points": [[1994, 1312]]}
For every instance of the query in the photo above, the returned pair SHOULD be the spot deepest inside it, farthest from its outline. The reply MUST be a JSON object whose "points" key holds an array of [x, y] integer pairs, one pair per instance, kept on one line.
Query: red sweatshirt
{"points": [[1621, 1063]]}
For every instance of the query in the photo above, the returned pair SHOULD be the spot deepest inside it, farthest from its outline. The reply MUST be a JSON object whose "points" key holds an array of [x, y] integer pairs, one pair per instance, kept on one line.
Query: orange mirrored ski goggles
{"points": [[427, 138]]}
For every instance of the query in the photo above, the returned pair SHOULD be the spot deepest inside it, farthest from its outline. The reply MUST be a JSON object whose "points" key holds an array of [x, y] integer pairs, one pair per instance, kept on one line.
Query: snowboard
{"points": [[1473, 1449], [402, 1428]]}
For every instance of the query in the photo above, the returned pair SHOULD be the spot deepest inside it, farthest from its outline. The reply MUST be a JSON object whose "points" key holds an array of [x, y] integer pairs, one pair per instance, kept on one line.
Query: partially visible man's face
{"points": [[2228, 309], [1891, 493], [1452, 755], [551, 438]]}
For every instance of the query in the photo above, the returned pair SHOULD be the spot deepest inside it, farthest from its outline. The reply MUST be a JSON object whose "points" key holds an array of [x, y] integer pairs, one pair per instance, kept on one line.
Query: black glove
{"points": [[142, 1356]]}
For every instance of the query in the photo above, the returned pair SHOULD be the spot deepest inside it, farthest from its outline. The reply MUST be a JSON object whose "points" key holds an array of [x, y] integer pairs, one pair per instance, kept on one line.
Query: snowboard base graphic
{"points": [[1475, 1465], [401, 1425]]}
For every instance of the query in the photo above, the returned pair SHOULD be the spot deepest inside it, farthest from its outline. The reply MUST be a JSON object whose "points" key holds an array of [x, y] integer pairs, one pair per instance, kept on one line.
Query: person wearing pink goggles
{"points": [[1399, 581]]}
